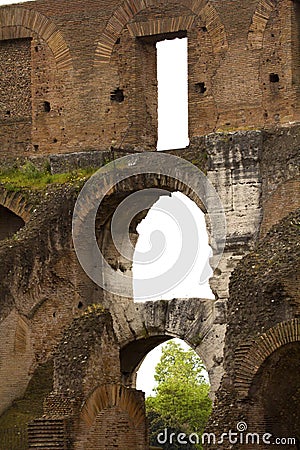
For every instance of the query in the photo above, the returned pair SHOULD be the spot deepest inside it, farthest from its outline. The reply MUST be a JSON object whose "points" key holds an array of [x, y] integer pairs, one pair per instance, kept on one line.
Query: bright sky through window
{"points": [[172, 75], [163, 217]]}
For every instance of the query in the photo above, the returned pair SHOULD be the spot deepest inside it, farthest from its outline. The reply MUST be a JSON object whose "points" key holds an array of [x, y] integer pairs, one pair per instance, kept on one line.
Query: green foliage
{"points": [[179, 364], [181, 403], [29, 177]]}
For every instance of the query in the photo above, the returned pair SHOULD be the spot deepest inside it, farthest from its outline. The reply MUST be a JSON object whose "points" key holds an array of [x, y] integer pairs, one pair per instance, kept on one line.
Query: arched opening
{"points": [[110, 231], [133, 354], [10, 223], [171, 258], [276, 393], [176, 386]]}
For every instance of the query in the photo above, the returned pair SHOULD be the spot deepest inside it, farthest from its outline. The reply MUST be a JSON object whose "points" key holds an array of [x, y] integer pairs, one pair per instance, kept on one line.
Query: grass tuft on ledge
{"points": [[29, 177]]}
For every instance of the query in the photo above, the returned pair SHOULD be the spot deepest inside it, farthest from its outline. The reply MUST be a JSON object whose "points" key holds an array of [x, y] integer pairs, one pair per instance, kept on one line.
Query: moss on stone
{"points": [[29, 177]]}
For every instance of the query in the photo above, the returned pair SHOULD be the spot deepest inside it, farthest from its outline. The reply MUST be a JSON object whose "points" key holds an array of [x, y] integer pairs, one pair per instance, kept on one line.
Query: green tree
{"points": [[181, 403]]}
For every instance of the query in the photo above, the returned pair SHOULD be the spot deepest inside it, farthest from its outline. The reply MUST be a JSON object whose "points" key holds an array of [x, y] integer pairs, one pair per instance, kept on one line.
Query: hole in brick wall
{"points": [[172, 77], [36, 48], [200, 88], [274, 78], [80, 305], [54, 140], [204, 29], [7, 113], [36, 147], [47, 107], [10, 223], [118, 41], [117, 95]]}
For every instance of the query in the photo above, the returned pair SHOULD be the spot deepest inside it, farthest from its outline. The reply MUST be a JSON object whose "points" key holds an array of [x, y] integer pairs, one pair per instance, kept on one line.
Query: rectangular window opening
{"points": [[172, 77]]}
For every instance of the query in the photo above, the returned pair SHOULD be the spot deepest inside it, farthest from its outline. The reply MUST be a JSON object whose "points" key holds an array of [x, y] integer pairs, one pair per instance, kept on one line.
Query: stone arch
{"points": [[113, 395], [133, 354], [256, 353], [113, 416], [275, 393], [16, 203], [122, 190], [14, 213], [130, 8], [17, 22], [140, 327], [149, 180], [259, 23]]}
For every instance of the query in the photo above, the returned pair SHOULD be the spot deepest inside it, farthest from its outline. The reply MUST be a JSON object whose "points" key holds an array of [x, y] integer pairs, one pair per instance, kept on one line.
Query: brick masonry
{"points": [[79, 102], [256, 87]]}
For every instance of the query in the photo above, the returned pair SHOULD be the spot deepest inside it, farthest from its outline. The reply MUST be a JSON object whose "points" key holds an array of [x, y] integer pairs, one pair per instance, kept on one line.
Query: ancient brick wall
{"points": [[283, 201], [296, 51], [49, 306], [280, 174], [263, 327], [114, 428], [101, 89], [15, 94], [15, 79], [16, 356]]}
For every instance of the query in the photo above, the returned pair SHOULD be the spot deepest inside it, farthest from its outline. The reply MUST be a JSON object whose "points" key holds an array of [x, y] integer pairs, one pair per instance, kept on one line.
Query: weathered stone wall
{"points": [[45, 297], [263, 321], [16, 358], [48, 289], [280, 169]]}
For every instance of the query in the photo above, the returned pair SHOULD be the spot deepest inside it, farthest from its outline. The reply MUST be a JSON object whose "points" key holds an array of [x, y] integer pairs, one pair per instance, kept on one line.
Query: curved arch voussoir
{"points": [[250, 360], [126, 12], [17, 22]]}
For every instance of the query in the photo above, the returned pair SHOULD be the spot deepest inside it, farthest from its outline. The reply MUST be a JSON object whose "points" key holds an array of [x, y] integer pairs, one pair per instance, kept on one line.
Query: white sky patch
{"points": [[161, 217], [172, 75], [10, 2]]}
